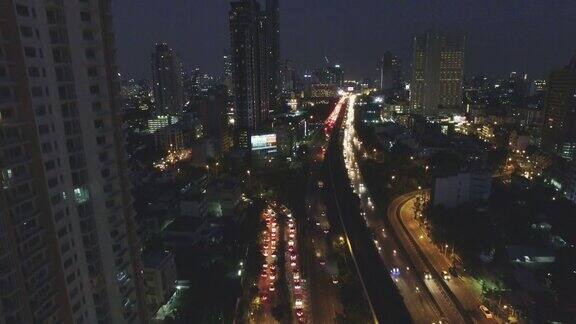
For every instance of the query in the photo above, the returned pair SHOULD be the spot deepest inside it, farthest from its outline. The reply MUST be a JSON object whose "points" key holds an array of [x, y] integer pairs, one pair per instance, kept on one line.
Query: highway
{"points": [[386, 304], [408, 277], [324, 291], [415, 264], [401, 214]]}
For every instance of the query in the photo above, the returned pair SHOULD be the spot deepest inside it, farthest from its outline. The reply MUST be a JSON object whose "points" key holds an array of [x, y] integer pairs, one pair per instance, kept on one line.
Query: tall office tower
{"points": [[288, 77], [250, 73], [559, 125], [330, 74], [437, 73], [227, 77], [68, 246], [213, 115], [390, 73], [167, 81], [271, 22]]}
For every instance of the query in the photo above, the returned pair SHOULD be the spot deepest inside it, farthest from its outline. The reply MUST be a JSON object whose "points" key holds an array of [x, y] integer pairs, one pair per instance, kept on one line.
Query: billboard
{"points": [[263, 142]]}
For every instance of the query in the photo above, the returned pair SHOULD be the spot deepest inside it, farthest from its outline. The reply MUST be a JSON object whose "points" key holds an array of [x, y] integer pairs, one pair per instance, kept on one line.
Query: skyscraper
{"points": [[288, 77], [559, 128], [390, 73], [227, 77], [251, 59], [167, 81], [330, 74], [272, 38], [68, 246], [213, 115], [437, 73]]}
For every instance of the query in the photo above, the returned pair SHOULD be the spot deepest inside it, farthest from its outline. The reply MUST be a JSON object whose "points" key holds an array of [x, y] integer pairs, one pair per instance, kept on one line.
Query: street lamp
{"points": [[249, 179]]}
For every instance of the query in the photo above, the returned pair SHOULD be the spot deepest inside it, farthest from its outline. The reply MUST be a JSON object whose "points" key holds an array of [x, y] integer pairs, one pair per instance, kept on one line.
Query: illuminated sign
{"points": [[263, 142]]}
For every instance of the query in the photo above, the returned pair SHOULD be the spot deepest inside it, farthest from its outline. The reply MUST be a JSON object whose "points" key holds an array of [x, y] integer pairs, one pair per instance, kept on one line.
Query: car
{"points": [[453, 271], [445, 275], [427, 276], [487, 313]]}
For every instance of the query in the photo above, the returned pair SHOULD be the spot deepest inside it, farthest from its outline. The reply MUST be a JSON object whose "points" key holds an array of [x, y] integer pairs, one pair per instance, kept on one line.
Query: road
{"points": [[447, 302], [417, 294], [324, 292], [401, 215], [385, 302]]}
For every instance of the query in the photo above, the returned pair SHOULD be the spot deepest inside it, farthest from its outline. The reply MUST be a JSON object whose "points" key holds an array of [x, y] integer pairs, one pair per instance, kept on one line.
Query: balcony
{"points": [[7, 287]]}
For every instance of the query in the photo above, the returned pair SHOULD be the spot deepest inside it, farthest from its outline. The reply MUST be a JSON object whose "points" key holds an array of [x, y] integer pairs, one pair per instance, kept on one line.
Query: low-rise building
{"points": [[323, 91], [463, 187], [530, 255], [194, 205], [178, 136], [226, 194], [159, 278], [519, 142]]}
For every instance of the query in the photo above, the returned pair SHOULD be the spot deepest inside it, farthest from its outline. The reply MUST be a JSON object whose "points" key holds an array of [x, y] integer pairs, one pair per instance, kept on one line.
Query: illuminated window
{"points": [[81, 195]]}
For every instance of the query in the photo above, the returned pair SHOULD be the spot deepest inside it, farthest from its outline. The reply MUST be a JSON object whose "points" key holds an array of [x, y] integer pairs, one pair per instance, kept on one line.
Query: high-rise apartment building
{"points": [[227, 77], [167, 81], [288, 78], [254, 46], [559, 124], [213, 115], [330, 74], [390, 69], [68, 246], [437, 73], [271, 21]]}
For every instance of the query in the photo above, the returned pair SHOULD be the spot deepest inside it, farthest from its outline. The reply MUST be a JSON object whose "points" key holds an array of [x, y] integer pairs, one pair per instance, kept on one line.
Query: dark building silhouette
{"points": [[167, 81], [390, 73], [254, 38], [272, 34], [213, 115], [559, 124]]}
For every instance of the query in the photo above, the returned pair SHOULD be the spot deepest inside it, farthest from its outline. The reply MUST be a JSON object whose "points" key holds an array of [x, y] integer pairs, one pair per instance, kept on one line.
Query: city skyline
{"points": [[531, 37], [304, 161]]}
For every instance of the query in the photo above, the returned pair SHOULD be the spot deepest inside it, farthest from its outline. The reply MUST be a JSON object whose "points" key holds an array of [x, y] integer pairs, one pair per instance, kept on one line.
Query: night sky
{"points": [[532, 36]]}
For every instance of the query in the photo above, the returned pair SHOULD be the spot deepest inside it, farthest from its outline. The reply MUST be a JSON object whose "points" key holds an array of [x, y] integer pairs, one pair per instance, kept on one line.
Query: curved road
{"points": [[457, 294]]}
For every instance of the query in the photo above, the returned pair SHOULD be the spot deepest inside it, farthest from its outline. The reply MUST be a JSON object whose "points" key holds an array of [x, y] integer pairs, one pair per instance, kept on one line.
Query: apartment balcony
{"points": [[17, 160], [10, 306], [5, 268], [102, 112], [36, 247], [19, 218], [29, 271], [12, 122], [26, 235]]}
